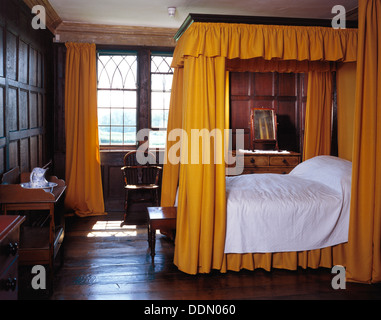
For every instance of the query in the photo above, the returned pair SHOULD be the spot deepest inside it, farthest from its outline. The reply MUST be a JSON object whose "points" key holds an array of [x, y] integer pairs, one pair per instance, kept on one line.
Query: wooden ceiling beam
{"points": [[115, 34]]}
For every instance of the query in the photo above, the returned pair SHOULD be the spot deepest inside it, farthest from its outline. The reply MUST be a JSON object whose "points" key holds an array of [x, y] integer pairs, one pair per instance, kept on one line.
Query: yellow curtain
{"points": [[245, 41], [173, 141], [364, 258], [84, 192], [317, 134], [276, 65], [202, 52], [319, 258], [346, 88], [201, 213]]}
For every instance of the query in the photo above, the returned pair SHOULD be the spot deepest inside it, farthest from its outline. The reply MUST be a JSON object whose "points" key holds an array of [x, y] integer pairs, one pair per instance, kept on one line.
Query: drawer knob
{"points": [[13, 248], [11, 284], [252, 160], [284, 161]]}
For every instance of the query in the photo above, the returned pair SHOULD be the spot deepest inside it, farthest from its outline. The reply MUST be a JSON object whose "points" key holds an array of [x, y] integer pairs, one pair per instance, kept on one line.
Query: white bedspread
{"points": [[304, 210]]}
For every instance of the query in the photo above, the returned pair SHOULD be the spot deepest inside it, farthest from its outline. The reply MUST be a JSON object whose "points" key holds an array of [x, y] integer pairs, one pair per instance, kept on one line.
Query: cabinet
{"points": [[270, 162], [38, 246], [9, 255]]}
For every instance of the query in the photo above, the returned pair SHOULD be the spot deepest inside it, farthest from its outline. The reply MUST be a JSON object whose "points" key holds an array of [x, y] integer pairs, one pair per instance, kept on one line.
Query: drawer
{"points": [[281, 170], [284, 161], [256, 161], [9, 282], [9, 248]]}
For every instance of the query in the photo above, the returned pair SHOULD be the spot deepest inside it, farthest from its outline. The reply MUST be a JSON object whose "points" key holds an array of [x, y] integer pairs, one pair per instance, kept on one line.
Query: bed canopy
{"points": [[204, 55]]}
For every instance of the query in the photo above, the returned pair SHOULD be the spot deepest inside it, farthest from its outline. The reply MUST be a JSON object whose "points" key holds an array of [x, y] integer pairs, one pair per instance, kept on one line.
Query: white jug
{"points": [[37, 178]]}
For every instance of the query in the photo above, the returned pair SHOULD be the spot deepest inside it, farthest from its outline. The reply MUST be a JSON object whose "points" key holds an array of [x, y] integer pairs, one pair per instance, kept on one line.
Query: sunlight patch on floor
{"points": [[112, 229]]}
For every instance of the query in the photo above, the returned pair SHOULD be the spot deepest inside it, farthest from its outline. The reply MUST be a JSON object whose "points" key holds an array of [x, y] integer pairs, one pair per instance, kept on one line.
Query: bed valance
{"points": [[246, 41], [281, 66]]}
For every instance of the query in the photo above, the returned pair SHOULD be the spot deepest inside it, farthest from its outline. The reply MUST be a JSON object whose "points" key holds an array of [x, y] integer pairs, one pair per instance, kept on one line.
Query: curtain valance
{"points": [[276, 65], [246, 41]]}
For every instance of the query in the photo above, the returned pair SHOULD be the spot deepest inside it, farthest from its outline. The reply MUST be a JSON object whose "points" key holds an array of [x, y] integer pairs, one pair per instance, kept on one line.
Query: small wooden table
{"points": [[159, 217], [37, 245]]}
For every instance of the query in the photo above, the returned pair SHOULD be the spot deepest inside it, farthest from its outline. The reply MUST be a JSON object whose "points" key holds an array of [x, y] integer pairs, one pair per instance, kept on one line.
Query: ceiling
{"points": [[154, 13]]}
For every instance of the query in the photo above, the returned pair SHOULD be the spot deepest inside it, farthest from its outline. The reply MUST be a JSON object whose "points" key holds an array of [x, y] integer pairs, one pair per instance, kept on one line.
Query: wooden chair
{"points": [[140, 173]]}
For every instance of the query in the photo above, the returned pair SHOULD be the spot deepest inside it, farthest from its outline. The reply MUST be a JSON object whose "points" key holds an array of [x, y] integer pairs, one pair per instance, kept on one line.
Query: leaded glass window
{"points": [[161, 83], [117, 99]]}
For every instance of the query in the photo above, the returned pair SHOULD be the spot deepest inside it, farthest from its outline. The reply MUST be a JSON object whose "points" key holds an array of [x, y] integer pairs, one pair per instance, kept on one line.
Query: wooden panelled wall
{"points": [[59, 149], [25, 89], [285, 93]]}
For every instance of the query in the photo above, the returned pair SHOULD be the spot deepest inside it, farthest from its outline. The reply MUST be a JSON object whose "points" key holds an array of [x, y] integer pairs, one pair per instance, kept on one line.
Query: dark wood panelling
{"points": [[264, 84], [33, 110], [24, 155], [13, 154], [2, 60], [25, 89], [23, 109], [241, 115], [144, 107], [2, 159], [59, 109], [283, 92], [11, 110], [2, 112], [23, 61], [11, 55]]}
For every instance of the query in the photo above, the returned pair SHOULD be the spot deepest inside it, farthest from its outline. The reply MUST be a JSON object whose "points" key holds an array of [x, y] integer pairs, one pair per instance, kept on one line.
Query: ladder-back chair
{"points": [[140, 173]]}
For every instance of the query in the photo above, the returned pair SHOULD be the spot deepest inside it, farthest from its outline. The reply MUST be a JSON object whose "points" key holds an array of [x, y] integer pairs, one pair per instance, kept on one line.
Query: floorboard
{"points": [[106, 262]]}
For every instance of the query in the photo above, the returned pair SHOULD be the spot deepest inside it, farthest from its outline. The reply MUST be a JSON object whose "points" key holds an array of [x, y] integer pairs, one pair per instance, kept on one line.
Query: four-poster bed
{"points": [[200, 101]]}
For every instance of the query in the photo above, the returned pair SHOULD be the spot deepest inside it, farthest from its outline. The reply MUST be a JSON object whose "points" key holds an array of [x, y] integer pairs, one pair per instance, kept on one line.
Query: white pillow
{"points": [[331, 171]]}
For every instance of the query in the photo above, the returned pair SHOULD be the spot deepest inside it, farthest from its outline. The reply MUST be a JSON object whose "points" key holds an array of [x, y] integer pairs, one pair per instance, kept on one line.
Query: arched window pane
{"points": [[161, 84], [117, 98]]}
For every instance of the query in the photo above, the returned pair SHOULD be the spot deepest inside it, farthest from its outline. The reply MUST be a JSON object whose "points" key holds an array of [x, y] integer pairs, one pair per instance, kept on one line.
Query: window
{"points": [[117, 99], [134, 90], [161, 83]]}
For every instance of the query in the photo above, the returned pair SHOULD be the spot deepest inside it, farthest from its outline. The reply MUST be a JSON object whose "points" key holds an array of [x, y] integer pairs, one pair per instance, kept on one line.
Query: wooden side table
{"points": [[41, 245], [159, 217]]}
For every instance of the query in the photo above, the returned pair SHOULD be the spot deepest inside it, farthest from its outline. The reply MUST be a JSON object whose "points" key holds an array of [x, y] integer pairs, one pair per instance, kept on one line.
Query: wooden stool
{"points": [[159, 217]]}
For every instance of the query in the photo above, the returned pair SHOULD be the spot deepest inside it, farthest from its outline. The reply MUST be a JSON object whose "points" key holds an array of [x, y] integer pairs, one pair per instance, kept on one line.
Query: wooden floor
{"points": [[106, 262]]}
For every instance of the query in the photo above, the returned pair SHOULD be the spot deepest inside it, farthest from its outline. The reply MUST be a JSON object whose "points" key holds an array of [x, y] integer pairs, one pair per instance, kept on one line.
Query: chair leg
{"points": [[149, 233], [157, 201], [125, 208], [155, 197]]}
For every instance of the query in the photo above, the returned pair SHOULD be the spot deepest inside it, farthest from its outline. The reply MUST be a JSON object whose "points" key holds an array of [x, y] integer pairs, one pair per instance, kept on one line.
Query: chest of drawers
{"points": [[270, 162], [9, 245]]}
